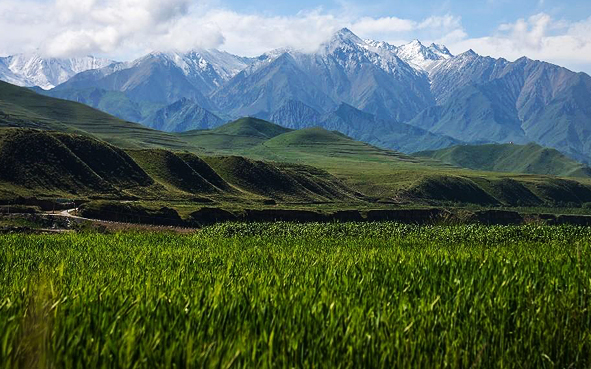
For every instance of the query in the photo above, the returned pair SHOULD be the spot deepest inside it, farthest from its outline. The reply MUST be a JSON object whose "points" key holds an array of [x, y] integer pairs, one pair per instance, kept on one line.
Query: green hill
{"points": [[530, 158], [234, 137], [276, 163], [174, 173], [22, 107], [41, 163], [317, 145], [53, 164], [252, 127], [282, 181]]}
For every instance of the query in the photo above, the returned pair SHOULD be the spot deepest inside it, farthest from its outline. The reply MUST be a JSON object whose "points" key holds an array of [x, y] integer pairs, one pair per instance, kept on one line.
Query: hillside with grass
{"points": [[22, 107], [54, 164], [257, 161], [42, 163], [386, 176], [233, 137], [530, 158], [281, 181]]}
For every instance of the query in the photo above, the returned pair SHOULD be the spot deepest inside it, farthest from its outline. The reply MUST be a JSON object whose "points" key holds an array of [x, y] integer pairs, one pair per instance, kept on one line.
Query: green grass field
{"points": [[292, 295]]}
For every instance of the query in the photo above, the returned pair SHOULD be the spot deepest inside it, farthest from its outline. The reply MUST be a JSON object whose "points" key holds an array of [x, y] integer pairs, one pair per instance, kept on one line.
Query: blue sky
{"points": [[551, 30], [480, 18]]}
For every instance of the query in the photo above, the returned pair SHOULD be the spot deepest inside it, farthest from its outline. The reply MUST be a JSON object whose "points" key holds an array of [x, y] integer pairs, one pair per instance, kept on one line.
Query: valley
{"points": [[51, 148], [264, 184]]}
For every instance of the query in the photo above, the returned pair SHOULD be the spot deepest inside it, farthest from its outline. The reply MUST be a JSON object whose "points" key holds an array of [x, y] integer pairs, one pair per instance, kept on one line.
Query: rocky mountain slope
{"points": [[34, 70]]}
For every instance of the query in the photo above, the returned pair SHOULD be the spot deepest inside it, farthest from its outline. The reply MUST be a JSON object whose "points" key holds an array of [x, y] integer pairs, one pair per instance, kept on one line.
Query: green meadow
{"points": [[262, 295]]}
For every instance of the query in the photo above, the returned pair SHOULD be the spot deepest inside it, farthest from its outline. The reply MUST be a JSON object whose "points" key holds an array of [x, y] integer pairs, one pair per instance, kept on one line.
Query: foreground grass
{"points": [[278, 295]]}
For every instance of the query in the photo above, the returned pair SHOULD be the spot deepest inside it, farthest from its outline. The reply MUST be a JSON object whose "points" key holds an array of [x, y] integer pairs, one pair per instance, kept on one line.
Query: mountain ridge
{"points": [[466, 98]]}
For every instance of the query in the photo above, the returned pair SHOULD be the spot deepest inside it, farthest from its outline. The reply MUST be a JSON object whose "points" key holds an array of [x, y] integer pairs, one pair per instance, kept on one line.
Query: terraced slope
{"points": [[54, 164], [171, 171]]}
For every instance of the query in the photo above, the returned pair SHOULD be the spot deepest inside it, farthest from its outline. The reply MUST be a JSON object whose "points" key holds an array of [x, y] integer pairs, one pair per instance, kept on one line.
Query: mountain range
{"points": [[410, 98], [46, 73], [35, 164]]}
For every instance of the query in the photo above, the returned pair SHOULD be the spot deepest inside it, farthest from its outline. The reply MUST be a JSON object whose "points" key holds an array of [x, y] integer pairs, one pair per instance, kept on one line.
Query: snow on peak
{"points": [[381, 45], [218, 65], [441, 50], [346, 34], [468, 54], [421, 57], [34, 70], [344, 40]]}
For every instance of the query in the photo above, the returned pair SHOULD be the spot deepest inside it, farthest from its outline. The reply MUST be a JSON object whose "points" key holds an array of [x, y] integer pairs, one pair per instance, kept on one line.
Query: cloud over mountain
{"points": [[125, 29]]}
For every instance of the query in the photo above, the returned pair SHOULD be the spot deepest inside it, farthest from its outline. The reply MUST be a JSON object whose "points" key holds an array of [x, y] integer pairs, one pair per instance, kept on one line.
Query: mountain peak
{"points": [[523, 59], [345, 32], [421, 57], [344, 40], [470, 53], [345, 35], [441, 50], [33, 69]]}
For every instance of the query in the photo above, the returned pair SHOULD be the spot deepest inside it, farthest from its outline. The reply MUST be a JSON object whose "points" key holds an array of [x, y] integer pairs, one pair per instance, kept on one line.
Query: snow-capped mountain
{"points": [[34, 70], [462, 70], [214, 66], [345, 69], [364, 88], [417, 55], [164, 77]]}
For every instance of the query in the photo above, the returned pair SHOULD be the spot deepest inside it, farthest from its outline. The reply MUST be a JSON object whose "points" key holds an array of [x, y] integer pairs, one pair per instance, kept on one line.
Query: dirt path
{"points": [[121, 226]]}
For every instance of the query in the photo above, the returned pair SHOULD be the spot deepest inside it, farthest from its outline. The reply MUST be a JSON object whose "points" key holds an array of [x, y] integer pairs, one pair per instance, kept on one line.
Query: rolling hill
{"points": [[21, 107], [343, 168], [530, 158], [53, 164], [233, 137], [44, 164]]}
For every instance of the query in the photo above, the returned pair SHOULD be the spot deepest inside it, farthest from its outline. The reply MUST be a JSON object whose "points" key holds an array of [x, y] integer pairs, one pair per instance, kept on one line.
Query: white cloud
{"points": [[253, 34], [125, 29], [132, 27], [382, 25], [538, 37], [74, 27]]}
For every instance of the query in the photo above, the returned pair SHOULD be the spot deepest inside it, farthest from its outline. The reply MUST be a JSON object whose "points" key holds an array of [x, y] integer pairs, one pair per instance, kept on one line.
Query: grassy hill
{"points": [[312, 165], [44, 164], [170, 170], [54, 164], [233, 137], [389, 176], [320, 142], [530, 158], [283, 181], [22, 107]]}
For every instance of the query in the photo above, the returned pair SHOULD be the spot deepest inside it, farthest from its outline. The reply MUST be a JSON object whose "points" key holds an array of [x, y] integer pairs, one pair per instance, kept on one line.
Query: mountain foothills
{"points": [[530, 158], [409, 98], [57, 148]]}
